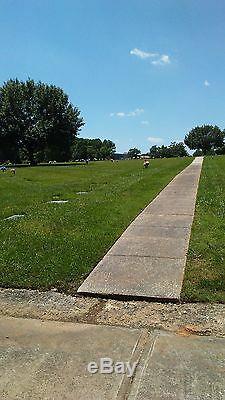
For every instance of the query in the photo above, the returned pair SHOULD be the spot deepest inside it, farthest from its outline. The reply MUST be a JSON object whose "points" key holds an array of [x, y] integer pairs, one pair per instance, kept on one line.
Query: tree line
{"points": [[92, 149], [39, 123], [173, 150], [205, 140]]}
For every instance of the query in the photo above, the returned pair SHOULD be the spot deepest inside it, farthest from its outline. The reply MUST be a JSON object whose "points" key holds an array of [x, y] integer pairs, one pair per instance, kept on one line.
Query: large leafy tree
{"points": [[36, 119], [178, 149], [206, 138], [133, 153]]}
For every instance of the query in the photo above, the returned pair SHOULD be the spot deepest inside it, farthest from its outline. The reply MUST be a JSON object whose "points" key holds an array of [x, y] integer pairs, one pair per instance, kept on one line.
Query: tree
{"points": [[173, 150], [107, 149], [165, 152], [133, 153], [36, 118], [206, 138], [95, 145], [220, 151], [79, 151], [155, 152], [178, 149], [92, 149]]}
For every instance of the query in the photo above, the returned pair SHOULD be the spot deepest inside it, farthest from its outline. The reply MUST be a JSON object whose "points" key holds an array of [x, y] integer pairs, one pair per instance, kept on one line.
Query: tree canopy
{"points": [[93, 149], [133, 153], [173, 150], [37, 122], [206, 138]]}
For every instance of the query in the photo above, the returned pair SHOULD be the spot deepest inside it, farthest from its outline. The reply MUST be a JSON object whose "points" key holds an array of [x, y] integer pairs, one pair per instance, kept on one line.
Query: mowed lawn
{"points": [[205, 269], [57, 245]]}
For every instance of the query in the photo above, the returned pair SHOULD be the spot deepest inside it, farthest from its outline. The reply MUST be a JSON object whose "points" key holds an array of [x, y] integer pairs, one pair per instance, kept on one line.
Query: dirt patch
{"points": [[184, 319], [193, 318], [49, 305]]}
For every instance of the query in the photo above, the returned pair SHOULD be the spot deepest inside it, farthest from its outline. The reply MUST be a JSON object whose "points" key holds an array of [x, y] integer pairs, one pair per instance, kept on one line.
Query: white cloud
{"points": [[118, 114], [163, 60], [206, 83], [142, 54], [158, 59], [155, 140], [145, 122], [134, 113]]}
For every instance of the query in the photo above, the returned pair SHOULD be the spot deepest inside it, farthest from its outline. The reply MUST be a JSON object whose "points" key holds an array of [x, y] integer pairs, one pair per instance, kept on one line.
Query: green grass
{"points": [[56, 245], [205, 269]]}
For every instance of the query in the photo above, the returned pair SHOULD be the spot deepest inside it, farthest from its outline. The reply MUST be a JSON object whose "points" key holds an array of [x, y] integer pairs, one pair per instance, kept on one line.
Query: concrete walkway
{"points": [[148, 260], [49, 361], [181, 368]]}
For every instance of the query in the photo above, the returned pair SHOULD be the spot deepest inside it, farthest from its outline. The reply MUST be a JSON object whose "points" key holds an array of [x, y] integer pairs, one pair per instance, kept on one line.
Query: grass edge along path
{"points": [[204, 278]]}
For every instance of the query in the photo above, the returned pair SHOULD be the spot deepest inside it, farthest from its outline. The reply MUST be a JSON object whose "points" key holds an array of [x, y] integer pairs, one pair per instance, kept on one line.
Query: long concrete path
{"points": [[148, 260], [51, 361]]}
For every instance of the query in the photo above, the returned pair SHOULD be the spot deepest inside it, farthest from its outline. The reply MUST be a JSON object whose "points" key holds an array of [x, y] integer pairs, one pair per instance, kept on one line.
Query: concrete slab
{"points": [[158, 231], [48, 360], [181, 368], [145, 246], [175, 190], [168, 207], [137, 276], [138, 245], [165, 220], [177, 199], [184, 179]]}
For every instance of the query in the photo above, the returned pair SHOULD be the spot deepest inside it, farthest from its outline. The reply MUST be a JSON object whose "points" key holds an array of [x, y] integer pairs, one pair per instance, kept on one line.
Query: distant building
{"points": [[146, 156]]}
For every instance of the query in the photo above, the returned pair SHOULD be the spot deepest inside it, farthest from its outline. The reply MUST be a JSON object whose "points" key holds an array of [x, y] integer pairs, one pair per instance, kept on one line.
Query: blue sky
{"points": [[142, 72]]}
